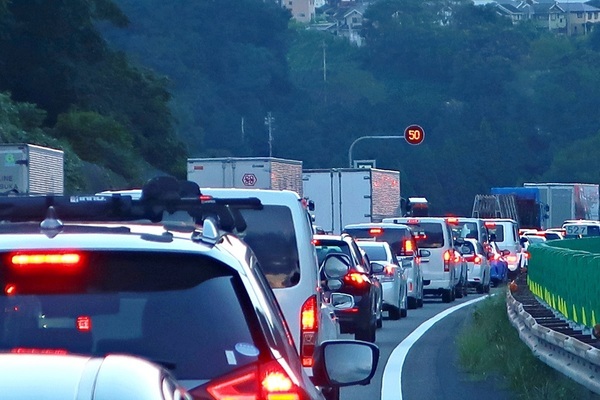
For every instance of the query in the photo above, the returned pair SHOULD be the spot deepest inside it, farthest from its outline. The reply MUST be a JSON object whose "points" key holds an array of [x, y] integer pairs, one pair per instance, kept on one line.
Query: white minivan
{"points": [[281, 237], [505, 232], [444, 273]]}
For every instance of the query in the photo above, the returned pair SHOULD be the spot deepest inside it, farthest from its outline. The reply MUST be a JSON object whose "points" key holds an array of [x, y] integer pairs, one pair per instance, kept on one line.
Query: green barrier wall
{"points": [[566, 275]]}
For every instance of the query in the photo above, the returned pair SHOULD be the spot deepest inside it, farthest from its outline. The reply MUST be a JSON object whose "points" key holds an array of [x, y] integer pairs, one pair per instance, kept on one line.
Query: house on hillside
{"points": [[349, 23], [302, 10], [561, 17]]}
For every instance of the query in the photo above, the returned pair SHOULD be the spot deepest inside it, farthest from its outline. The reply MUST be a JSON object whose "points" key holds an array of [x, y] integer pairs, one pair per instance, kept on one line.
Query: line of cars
{"points": [[221, 304]]}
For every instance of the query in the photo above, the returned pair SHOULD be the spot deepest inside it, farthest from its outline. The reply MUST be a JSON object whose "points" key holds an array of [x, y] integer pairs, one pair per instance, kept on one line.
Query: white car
{"points": [[478, 265], [392, 277], [442, 270]]}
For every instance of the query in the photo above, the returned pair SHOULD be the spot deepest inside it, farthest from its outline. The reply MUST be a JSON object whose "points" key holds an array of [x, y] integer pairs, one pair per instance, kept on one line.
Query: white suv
{"points": [[442, 270]]}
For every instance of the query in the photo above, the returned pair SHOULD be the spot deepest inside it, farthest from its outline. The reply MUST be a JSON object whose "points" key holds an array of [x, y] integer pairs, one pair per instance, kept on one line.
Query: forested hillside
{"points": [[500, 104]]}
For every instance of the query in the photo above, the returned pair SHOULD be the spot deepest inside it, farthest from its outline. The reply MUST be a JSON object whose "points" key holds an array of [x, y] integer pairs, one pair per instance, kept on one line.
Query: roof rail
{"points": [[160, 196]]}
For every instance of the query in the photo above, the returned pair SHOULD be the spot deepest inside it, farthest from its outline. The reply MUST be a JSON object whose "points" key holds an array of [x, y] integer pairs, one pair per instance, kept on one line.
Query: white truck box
{"points": [[246, 172], [567, 201], [345, 196], [27, 168]]}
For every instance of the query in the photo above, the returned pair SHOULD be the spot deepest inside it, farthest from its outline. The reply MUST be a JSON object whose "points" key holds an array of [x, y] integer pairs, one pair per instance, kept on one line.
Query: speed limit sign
{"points": [[414, 134]]}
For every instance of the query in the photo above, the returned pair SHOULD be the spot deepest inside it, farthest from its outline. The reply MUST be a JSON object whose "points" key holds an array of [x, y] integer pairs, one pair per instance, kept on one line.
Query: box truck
{"points": [[567, 201], [31, 169], [246, 172], [345, 196]]}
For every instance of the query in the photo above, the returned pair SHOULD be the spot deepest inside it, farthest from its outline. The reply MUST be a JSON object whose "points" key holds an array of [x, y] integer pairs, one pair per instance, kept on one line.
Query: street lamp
{"points": [[367, 137]]}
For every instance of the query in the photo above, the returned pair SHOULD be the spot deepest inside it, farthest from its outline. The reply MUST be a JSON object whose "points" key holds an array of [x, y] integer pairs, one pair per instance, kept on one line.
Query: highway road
{"points": [[420, 356]]}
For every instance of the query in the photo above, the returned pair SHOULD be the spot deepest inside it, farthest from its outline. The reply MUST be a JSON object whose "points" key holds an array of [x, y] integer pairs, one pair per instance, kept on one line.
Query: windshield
{"points": [[375, 253], [429, 235], [148, 304], [395, 237]]}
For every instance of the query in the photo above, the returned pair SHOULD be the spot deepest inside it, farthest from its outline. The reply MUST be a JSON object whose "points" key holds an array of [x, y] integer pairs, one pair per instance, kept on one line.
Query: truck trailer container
{"points": [[246, 172], [31, 169], [345, 196], [567, 201]]}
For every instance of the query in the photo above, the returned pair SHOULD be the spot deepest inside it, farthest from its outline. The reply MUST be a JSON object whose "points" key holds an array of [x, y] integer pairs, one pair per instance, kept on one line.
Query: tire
{"points": [[480, 288], [459, 291], [420, 302], [395, 314], [366, 334], [403, 312], [380, 321], [413, 303], [447, 295]]}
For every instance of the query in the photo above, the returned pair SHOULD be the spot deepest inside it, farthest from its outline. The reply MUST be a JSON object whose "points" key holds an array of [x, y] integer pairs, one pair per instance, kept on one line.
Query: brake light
{"points": [[29, 350], [316, 242], [356, 279], [452, 221], [511, 259], [389, 270], [408, 246], [526, 255], [456, 257], [267, 381], [375, 231], [205, 197], [447, 258], [83, 323], [27, 260], [308, 331], [489, 224], [412, 221], [477, 260]]}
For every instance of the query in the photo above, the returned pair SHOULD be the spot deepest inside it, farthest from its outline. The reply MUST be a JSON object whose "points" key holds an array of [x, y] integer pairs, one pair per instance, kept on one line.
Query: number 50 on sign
{"points": [[414, 134]]}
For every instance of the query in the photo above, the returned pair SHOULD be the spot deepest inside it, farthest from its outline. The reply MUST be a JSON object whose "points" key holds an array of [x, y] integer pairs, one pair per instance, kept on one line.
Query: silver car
{"points": [[478, 265], [67, 376], [391, 275]]}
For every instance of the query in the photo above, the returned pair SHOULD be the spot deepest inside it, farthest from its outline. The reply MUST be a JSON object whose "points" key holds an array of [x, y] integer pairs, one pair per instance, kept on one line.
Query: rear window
{"points": [[375, 253], [394, 237], [430, 235], [271, 235], [325, 247], [186, 312], [498, 231], [465, 230]]}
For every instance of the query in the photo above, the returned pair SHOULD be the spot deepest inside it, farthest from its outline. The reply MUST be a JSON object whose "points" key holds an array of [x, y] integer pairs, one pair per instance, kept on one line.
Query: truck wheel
{"points": [[394, 313]]}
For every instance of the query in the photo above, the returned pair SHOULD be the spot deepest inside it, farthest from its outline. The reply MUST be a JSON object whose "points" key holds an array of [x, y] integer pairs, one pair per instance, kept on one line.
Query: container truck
{"points": [[246, 172], [567, 201], [345, 196], [31, 169]]}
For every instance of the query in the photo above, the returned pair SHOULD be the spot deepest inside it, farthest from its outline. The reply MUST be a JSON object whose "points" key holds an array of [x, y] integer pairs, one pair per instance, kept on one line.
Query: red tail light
{"points": [[258, 382], [477, 260], [447, 258], [42, 261], [29, 350], [412, 221], [452, 221], [489, 224], [511, 259], [526, 255], [408, 246], [309, 325], [356, 279], [389, 270]]}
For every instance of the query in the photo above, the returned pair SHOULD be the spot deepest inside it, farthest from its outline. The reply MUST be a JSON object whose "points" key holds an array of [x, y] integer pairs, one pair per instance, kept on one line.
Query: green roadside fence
{"points": [[566, 275]]}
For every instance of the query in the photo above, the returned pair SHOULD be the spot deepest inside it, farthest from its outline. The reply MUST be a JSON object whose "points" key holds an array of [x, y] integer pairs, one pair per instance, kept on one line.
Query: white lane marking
{"points": [[391, 383]]}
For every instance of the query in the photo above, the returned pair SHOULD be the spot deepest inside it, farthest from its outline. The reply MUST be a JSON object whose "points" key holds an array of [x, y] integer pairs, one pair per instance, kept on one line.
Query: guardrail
{"points": [[564, 277]]}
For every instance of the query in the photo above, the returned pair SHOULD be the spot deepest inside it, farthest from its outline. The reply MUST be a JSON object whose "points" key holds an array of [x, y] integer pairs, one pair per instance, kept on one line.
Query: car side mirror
{"points": [[337, 265], [342, 301], [377, 268], [345, 362]]}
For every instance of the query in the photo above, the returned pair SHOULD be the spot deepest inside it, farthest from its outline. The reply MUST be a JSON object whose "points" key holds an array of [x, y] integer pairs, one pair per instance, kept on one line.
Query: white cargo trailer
{"points": [[246, 172], [567, 201], [345, 196], [31, 169]]}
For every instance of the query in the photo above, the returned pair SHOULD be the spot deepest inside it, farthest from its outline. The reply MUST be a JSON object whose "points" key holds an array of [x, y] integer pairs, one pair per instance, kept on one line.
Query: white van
{"points": [[443, 272], [505, 232], [281, 237]]}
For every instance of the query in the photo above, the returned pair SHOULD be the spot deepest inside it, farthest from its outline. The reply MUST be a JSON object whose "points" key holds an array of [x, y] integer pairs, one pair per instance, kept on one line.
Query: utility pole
{"points": [[269, 123], [324, 62]]}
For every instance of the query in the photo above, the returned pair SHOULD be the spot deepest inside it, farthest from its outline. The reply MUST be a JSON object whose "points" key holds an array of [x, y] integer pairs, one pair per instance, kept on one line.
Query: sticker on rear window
{"points": [[247, 349]]}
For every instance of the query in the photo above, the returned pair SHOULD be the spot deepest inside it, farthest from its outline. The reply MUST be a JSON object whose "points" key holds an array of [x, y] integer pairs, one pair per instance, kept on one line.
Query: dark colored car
{"points": [[498, 264], [360, 282], [189, 297]]}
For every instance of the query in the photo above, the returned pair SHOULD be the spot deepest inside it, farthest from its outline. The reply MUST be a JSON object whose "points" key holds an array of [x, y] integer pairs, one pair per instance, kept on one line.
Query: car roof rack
{"points": [[161, 196]]}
